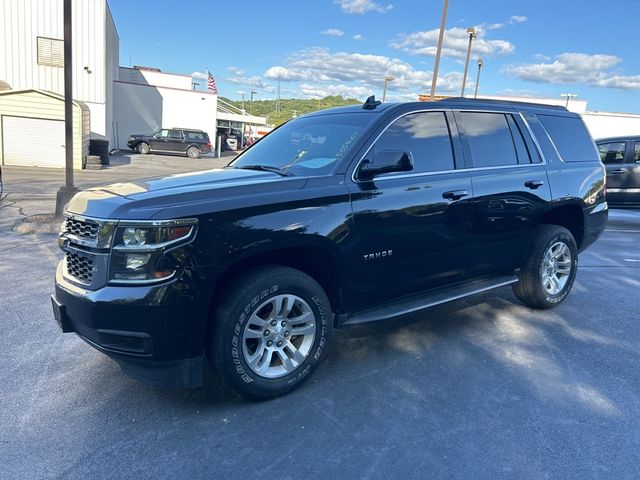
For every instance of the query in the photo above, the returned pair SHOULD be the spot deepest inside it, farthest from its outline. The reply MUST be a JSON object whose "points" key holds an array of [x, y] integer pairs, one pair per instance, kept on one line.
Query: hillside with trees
{"points": [[290, 107]]}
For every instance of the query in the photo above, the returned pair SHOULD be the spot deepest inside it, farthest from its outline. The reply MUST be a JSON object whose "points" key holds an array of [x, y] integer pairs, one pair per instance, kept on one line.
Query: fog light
{"points": [[135, 261]]}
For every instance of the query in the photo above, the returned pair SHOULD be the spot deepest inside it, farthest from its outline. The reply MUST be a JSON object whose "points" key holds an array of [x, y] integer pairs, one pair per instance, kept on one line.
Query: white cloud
{"points": [[358, 37], [513, 20], [347, 91], [594, 70], [321, 69], [360, 7], [332, 32], [240, 78], [456, 42], [199, 75]]}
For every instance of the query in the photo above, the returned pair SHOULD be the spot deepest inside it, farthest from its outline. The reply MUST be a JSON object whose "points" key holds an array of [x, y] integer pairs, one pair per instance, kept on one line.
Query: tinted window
{"points": [[307, 145], [612, 152], [636, 152], [487, 138], [518, 141], [570, 137], [195, 135], [425, 135], [162, 134], [176, 134]]}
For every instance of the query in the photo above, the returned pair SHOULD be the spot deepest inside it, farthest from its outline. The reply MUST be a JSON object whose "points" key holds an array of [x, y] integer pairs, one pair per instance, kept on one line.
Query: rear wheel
{"points": [[271, 331], [143, 148], [193, 152], [548, 274]]}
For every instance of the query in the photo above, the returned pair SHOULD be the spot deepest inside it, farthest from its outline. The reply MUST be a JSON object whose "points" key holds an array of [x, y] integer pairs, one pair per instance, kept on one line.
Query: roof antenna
{"points": [[371, 103]]}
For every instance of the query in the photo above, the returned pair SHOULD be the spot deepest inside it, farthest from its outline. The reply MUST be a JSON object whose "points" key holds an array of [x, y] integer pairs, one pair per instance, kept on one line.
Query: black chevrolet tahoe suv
{"points": [[339, 217], [171, 140]]}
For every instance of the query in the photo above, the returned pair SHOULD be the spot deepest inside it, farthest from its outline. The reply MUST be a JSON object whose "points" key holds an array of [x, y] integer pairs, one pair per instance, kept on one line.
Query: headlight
{"points": [[138, 254]]}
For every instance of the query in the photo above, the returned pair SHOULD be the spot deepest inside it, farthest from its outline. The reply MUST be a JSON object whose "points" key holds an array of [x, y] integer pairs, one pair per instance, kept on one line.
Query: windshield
{"points": [[306, 146]]}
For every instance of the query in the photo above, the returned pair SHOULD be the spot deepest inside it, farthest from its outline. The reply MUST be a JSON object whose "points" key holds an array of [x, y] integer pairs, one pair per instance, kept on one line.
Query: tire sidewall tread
{"points": [[529, 288], [248, 291]]}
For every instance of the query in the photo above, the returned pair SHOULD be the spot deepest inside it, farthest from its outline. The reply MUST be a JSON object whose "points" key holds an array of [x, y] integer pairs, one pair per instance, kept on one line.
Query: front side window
{"points": [[487, 138], [612, 152], [162, 134], [425, 135], [307, 145]]}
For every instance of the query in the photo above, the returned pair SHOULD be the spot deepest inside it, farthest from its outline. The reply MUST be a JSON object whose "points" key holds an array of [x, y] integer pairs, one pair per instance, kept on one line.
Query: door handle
{"points": [[618, 171], [455, 194], [533, 184]]}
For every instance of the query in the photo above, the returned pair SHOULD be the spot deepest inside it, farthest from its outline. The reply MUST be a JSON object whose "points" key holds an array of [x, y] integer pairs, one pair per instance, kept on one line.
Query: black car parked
{"points": [[172, 140], [340, 217], [621, 157]]}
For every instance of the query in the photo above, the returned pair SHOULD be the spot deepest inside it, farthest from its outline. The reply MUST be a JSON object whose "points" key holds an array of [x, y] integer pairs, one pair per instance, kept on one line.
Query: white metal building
{"points": [[148, 99], [32, 56]]}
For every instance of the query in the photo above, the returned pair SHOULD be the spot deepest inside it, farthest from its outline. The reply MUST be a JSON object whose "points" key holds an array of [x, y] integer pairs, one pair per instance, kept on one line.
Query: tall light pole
{"points": [[387, 78], [64, 194], [472, 34], [480, 65], [568, 95], [436, 66], [253, 92], [242, 93]]}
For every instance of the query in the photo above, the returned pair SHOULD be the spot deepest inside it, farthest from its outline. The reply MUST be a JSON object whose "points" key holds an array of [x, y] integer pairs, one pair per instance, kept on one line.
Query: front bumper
{"points": [[155, 332]]}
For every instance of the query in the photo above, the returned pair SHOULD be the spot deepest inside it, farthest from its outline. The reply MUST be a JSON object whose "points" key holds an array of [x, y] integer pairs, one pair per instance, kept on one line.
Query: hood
{"points": [[190, 193]]}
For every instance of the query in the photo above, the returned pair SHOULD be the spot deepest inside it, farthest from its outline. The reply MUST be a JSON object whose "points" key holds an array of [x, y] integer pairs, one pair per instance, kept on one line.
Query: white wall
{"points": [[603, 124], [158, 79], [143, 108], [22, 21]]}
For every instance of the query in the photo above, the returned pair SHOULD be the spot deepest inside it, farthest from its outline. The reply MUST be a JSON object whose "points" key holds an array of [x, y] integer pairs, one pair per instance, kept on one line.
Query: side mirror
{"points": [[387, 161]]}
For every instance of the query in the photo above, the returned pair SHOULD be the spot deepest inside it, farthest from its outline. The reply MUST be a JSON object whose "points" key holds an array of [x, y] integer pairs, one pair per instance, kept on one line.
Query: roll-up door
{"points": [[33, 141]]}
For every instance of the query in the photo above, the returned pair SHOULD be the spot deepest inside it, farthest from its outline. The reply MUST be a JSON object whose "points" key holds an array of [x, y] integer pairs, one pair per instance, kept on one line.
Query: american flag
{"points": [[211, 83]]}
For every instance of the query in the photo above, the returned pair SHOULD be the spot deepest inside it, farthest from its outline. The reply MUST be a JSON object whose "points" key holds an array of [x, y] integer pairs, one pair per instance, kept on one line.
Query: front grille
{"points": [[80, 267], [81, 228]]}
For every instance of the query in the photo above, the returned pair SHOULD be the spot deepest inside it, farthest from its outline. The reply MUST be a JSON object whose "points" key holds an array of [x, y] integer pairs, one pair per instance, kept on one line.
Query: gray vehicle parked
{"points": [[621, 157]]}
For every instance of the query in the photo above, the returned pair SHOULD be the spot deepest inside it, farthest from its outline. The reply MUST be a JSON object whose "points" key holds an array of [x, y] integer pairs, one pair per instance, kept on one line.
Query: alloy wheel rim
{"points": [[278, 336], [556, 268]]}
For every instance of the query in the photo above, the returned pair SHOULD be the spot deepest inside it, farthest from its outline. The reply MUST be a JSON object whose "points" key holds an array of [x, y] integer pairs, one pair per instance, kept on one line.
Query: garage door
{"points": [[32, 141]]}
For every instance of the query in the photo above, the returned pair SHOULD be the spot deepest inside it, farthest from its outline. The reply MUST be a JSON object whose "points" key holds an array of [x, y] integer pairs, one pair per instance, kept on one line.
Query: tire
{"points": [[193, 152], [143, 148], [243, 345], [548, 273]]}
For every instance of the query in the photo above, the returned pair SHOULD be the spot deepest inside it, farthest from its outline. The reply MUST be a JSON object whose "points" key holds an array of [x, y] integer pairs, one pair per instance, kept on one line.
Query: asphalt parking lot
{"points": [[482, 387]]}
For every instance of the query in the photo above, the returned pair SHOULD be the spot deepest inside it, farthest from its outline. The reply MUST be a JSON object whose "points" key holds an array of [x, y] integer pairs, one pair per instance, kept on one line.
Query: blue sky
{"points": [[319, 47]]}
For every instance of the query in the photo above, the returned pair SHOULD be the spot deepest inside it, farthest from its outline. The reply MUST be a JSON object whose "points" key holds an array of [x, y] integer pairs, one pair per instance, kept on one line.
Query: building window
{"points": [[50, 52]]}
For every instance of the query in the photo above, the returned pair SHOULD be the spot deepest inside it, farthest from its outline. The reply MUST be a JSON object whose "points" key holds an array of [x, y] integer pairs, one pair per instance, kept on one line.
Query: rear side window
{"points": [[612, 152], [570, 137], [195, 135], [426, 136], [487, 138], [636, 152]]}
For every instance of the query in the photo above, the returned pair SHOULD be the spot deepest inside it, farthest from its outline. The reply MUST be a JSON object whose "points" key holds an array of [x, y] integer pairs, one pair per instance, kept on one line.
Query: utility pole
{"points": [[243, 102], [436, 66], [66, 192], [253, 92], [278, 99], [472, 34], [387, 79], [480, 65]]}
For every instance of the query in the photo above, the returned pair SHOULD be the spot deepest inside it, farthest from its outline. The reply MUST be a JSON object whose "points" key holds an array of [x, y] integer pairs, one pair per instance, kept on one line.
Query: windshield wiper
{"points": [[266, 168]]}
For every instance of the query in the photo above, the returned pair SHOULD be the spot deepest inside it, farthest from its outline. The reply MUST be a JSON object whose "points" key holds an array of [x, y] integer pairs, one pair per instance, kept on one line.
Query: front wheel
{"points": [[143, 148], [271, 330], [548, 274]]}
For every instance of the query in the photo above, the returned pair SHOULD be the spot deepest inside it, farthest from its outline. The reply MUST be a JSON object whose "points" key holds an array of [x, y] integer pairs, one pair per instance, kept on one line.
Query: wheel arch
{"points": [[319, 262], [570, 215]]}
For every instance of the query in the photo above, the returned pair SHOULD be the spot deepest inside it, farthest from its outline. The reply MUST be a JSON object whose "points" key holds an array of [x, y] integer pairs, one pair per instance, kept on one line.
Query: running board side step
{"points": [[413, 304]]}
